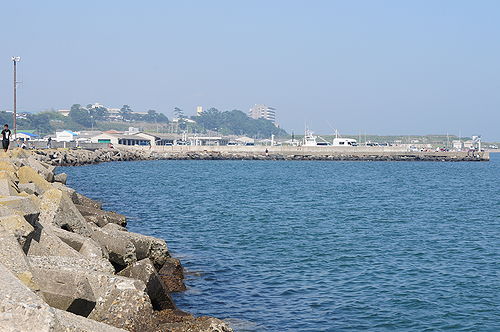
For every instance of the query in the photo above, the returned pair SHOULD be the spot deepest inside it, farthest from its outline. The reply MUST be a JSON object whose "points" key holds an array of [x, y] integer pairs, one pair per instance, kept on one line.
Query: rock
{"points": [[146, 246], [122, 251], [57, 209], [85, 246], [172, 275], [64, 289], [21, 309], [43, 242], [69, 191], [100, 217], [7, 166], [200, 324], [23, 206], [40, 168], [61, 177], [85, 201], [9, 176], [13, 258], [84, 288], [145, 271], [29, 188], [114, 227], [27, 174], [8, 188], [18, 226], [68, 322], [121, 302]]}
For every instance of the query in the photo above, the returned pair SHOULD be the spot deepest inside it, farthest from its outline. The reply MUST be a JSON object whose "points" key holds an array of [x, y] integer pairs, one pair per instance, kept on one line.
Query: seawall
{"points": [[68, 265], [59, 157]]}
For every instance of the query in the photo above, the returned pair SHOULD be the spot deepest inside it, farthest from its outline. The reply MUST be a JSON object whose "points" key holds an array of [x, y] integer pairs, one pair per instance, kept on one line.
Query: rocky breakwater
{"points": [[74, 157], [68, 265], [64, 157]]}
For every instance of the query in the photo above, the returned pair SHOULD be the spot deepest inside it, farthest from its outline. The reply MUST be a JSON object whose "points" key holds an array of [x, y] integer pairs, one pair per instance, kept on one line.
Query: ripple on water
{"points": [[320, 246]]}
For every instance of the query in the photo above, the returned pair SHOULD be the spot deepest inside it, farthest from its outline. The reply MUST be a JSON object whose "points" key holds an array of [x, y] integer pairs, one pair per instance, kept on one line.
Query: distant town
{"points": [[98, 124]]}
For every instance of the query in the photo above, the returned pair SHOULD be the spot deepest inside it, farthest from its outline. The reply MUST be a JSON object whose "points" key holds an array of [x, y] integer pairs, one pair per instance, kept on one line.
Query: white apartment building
{"points": [[263, 112]]}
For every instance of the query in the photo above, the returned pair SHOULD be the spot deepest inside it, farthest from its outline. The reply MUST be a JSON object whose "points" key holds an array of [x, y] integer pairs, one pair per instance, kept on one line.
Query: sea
{"points": [[320, 245]]}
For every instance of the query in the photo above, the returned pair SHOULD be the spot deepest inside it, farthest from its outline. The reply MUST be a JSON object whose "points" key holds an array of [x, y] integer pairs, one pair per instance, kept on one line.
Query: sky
{"points": [[377, 67]]}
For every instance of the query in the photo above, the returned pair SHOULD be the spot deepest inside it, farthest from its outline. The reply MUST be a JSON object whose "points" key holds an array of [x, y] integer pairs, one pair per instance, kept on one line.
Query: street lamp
{"points": [[15, 60]]}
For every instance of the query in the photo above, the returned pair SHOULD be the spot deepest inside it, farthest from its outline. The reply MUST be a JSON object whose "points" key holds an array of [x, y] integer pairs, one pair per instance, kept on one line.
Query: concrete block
{"points": [[57, 209], [8, 188], [27, 174], [20, 308], [23, 206], [65, 289], [114, 227], [40, 168], [172, 275], [71, 263], [69, 322], [122, 302], [7, 166], [85, 246], [145, 246], [61, 177], [85, 201], [18, 226], [149, 247], [145, 271], [122, 251], [101, 217], [69, 191], [29, 188], [14, 259], [12, 176], [43, 242], [115, 300]]}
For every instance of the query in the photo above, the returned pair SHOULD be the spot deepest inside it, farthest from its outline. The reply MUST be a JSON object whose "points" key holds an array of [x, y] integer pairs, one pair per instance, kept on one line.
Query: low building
{"points": [[208, 140], [136, 138], [64, 112], [66, 136], [458, 145], [26, 136], [469, 144]]}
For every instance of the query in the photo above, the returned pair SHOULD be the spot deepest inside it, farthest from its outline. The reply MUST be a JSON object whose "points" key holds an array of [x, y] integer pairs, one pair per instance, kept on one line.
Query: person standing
{"points": [[6, 133]]}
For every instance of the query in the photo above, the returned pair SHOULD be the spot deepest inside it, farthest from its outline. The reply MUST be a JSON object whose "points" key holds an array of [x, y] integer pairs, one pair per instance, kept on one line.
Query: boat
{"points": [[312, 140], [340, 141]]}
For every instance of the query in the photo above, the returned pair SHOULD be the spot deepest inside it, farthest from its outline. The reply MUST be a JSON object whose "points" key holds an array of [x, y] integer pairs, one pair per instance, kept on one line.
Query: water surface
{"points": [[320, 246]]}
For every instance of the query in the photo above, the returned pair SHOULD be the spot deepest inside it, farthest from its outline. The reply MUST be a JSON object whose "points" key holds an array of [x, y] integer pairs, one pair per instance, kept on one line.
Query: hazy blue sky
{"points": [[383, 67]]}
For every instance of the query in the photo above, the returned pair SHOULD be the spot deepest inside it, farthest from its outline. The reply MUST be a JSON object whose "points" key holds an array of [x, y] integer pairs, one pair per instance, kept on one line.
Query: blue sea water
{"points": [[320, 246]]}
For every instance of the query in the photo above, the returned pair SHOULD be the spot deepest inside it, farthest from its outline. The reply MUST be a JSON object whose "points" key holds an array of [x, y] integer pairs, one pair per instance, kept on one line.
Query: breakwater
{"points": [[68, 265], [66, 157]]}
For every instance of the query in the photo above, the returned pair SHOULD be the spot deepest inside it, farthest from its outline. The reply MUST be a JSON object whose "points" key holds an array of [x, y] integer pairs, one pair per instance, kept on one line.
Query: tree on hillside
{"points": [[211, 119], [80, 115], [154, 116], [160, 117], [238, 123], [98, 113], [41, 122], [126, 112], [178, 113]]}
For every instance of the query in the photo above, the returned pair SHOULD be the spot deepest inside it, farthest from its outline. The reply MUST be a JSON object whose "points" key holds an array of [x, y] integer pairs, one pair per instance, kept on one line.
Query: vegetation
{"points": [[236, 122]]}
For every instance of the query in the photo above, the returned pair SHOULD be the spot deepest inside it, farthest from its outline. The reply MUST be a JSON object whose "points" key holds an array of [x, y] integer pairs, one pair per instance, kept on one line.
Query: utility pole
{"points": [[15, 60]]}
